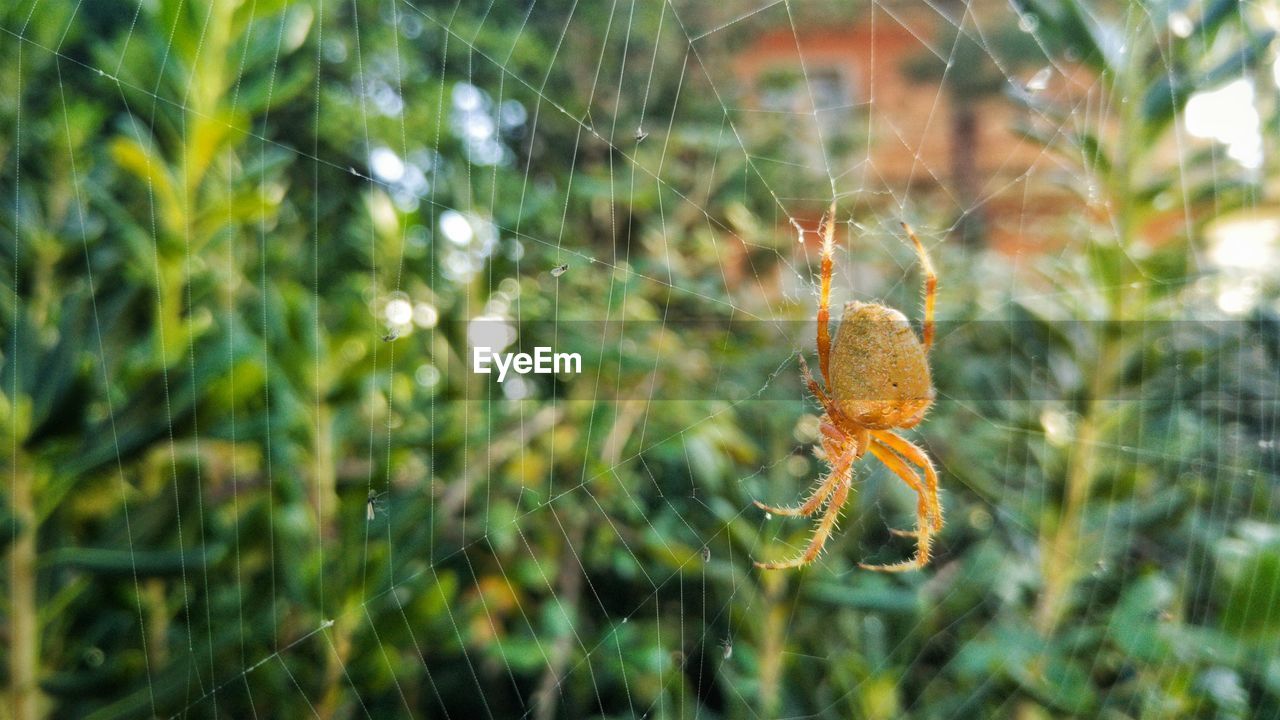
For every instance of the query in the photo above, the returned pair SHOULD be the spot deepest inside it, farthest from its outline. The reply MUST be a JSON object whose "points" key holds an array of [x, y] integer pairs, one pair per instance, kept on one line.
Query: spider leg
{"points": [[912, 479], [813, 384], [831, 432], [825, 527], [835, 420], [819, 494], [822, 491], [923, 510], [915, 455], [930, 286], [824, 299]]}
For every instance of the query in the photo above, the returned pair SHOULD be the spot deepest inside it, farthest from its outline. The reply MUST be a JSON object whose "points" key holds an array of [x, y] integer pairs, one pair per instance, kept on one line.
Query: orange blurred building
{"points": [[857, 109]]}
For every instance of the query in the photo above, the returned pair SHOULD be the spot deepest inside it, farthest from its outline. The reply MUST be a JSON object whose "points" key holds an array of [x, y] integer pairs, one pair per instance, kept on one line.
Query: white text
{"points": [[542, 362]]}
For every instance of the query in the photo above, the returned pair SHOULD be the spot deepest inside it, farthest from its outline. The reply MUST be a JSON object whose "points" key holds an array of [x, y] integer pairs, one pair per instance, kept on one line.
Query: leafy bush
{"points": [[250, 470]]}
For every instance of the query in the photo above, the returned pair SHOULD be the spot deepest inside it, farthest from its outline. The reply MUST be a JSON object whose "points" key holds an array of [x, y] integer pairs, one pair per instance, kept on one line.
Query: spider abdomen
{"points": [[879, 372]]}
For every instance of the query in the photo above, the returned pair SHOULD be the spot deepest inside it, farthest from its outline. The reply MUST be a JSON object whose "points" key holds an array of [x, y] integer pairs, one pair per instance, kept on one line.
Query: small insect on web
{"points": [[559, 270], [375, 504]]}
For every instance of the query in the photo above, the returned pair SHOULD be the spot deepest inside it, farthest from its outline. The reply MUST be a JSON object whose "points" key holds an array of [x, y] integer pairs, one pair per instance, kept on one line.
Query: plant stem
{"points": [[1060, 563], [153, 592], [775, 622], [326, 489], [24, 655], [340, 654], [568, 594]]}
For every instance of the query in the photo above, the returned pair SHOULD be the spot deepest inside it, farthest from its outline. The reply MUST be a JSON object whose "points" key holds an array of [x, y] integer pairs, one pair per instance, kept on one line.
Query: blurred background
{"points": [[248, 244]]}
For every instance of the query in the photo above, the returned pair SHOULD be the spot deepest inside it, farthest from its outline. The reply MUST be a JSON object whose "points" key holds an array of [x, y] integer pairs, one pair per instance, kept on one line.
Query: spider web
{"points": [[620, 180]]}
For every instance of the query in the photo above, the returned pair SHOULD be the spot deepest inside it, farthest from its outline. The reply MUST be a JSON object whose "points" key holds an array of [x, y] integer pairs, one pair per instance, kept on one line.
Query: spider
{"points": [[877, 379]]}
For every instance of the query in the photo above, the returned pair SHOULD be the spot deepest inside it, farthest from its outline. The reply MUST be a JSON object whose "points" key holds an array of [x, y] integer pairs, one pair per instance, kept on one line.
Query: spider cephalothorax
{"points": [[877, 379]]}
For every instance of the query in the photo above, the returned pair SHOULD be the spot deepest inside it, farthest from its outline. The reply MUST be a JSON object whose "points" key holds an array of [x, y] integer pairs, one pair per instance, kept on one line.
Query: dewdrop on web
{"points": [[1040, 80], [1180, 24]]}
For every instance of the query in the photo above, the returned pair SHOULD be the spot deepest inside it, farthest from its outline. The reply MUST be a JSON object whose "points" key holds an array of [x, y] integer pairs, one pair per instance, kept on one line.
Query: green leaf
{"points": [[1135, 623], [872, 593], [1073, 29], [1253, 601], [146, 563]]}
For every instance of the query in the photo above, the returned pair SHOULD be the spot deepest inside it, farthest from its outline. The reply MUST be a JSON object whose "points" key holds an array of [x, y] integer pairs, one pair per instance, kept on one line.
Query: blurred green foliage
{"points": [[214, 207]]}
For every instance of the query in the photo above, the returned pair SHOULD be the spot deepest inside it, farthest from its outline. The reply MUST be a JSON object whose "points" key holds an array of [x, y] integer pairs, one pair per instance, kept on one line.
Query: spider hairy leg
{"points": [[824, 488], [904, 566], [923, 524], [810, 506], [813, 384], [824, 298], [930, 286], [912, 479], [831, 432], [916, 456], [825, 526]]}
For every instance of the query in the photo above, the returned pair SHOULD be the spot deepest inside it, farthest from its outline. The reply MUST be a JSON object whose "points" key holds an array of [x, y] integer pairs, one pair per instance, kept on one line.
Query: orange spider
{"points": [[881, 382]]}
